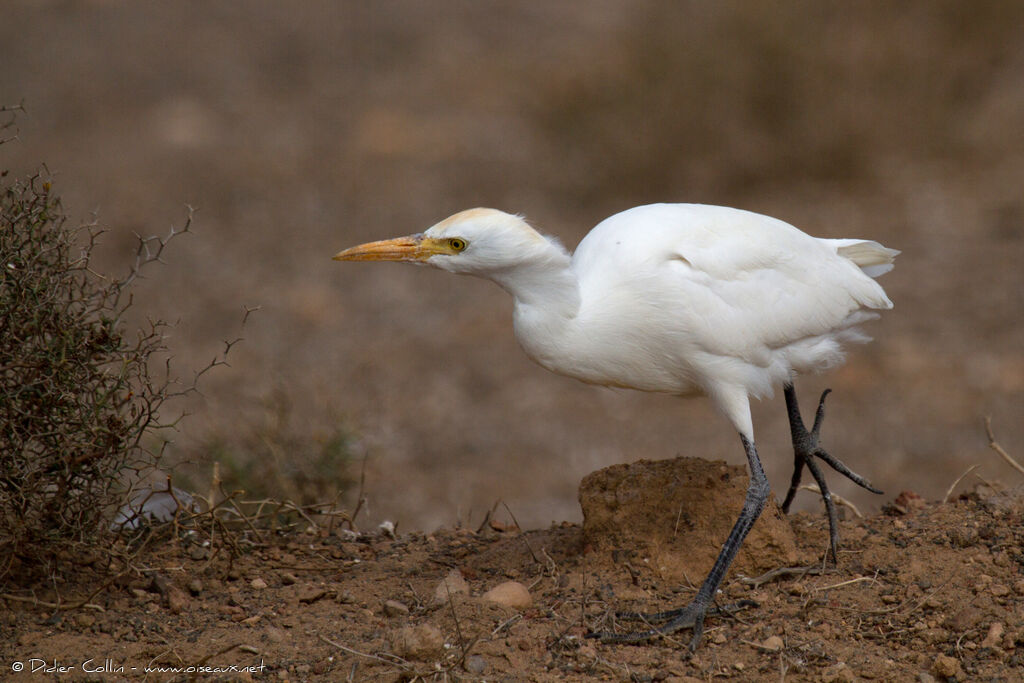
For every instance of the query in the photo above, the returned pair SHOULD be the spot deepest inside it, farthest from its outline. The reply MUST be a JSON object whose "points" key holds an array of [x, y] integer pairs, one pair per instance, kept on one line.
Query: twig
{"points": [[458, 628], [505, 624], [488, 516], [999, 449], [68, 606], [525, 539], [360, 498], [949, 491], [846, 583], [400, 663], [224, 651], [51, 605], [782, 572], [839, 500]]}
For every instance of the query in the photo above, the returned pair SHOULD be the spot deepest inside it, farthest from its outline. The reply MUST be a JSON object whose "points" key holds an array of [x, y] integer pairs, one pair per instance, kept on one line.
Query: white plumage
{"points": [[674, 298]]}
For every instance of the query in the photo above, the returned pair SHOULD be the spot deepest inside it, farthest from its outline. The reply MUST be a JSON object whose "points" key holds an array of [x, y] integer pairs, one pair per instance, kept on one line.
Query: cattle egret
{"points": [[680, 299]]}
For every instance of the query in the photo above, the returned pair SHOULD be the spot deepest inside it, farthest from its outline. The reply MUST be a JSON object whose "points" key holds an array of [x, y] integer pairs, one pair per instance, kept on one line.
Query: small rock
{"points": [[394, 608], [311, 594], [195, 586], [773, 643], [475, 664], [925, 677], [289, 579], [176, 599], [838, 673], [258, 584], [85, 620], [452, 584], [995, 634], [417, 642], [387, 528], [946, 666], [510, 594], [199, 553], [965, 619]]}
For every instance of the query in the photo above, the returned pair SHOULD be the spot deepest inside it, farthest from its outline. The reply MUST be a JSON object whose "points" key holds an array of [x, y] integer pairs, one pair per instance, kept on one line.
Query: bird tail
{"points": [[872, 257]]}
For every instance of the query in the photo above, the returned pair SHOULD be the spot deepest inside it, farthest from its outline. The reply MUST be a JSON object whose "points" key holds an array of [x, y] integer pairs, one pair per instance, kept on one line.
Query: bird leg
{"points": [[692, 615], [805, 449]]}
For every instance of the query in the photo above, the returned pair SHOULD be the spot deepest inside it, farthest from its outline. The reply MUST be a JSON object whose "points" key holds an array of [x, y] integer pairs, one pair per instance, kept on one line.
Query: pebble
{"points": [[510, 594], [995, 634], [394, 608], [452, 584], [416, 642], [289, 579], [838, 673], [195, 586], [176, 599], [925, 677], [84, 620], [946, 666], [258, 584], [965, 619], [475, 664], [773, 643]]}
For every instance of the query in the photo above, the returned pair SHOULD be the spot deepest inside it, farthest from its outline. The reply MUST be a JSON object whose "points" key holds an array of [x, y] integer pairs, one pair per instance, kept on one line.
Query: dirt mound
{"points": [[673, 515]]}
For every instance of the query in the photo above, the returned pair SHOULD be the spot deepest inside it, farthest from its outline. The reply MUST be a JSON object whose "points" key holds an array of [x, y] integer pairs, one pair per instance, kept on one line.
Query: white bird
{"points": [[680, 299]]}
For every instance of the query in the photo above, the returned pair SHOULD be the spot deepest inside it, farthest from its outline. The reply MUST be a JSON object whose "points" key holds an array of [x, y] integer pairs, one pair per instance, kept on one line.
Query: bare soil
{"points": [[925, 589], [297, 131]]}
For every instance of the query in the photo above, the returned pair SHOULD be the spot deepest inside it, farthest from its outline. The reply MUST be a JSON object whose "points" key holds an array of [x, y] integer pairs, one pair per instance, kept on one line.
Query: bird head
{"points": [[478, 242]]}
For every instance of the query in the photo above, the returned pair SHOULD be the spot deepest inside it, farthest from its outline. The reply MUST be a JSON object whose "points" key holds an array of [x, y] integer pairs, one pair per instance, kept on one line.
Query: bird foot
{"points": [[805, 450], [666, 623]]}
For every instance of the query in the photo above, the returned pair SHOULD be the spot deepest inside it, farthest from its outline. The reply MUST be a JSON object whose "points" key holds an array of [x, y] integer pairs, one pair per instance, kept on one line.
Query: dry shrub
{"points": [[80, 395]]}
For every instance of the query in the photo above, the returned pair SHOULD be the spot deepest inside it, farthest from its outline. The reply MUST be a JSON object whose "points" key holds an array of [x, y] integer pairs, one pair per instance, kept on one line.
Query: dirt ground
{"points": [[924, 592]]}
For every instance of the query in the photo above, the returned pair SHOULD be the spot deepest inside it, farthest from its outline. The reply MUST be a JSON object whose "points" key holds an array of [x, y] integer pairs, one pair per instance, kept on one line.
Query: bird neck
{"points": [[548, 285]]}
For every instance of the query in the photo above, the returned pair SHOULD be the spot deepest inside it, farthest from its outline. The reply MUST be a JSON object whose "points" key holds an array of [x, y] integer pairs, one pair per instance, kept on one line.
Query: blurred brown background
{"points": [[301, 129]]}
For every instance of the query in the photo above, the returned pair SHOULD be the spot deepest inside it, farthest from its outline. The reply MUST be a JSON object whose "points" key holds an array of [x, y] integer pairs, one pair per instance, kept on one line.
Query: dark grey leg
{"points": [[692, 615], [805, 449]]}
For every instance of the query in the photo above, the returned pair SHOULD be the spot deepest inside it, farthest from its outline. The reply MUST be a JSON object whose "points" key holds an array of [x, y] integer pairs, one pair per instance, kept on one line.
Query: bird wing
{"points": [[739, 284]]}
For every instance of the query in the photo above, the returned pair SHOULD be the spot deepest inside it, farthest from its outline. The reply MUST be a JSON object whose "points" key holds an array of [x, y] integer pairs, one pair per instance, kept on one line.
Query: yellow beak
{"points": [[409, 248]]}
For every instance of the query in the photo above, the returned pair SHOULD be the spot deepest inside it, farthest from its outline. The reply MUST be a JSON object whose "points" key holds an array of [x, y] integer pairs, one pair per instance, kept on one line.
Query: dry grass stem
{"points": [[994, 445], [952, 487], [839, 500]]}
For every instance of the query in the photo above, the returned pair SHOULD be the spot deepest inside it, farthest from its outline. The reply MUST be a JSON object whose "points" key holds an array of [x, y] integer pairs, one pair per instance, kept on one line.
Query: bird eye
{"points": [[456, 244]]}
